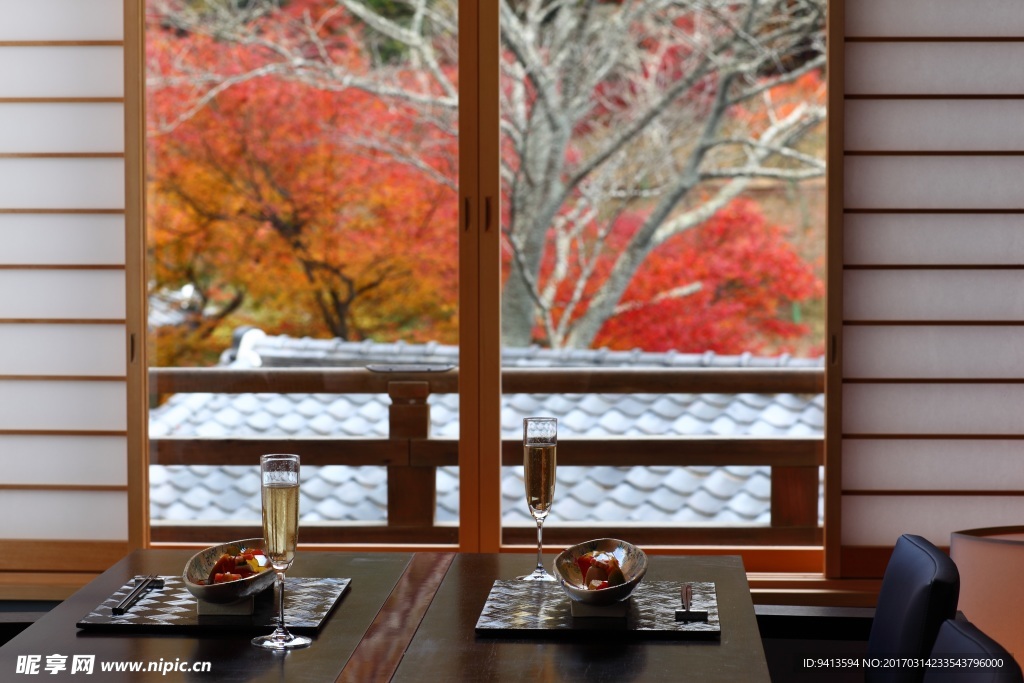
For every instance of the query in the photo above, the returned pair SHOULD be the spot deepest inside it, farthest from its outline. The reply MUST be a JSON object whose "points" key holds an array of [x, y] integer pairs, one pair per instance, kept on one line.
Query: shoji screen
{"points": [[933, 273], [63, 377]]}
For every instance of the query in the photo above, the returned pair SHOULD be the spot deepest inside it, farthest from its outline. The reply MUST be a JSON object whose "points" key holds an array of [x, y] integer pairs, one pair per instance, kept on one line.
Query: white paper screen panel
{"points": [[61, 183], [880, 520], [55, 405], [61, 515], [934, 125], [933, 182], [62, 294], [933, 409], [72, 350], [64, 460], [61, 71], [61, 127], [935, 295], [932, 464], [933, 18], [934, 68], [62, 239], [933, 352], [933, 239], [61, 19]]}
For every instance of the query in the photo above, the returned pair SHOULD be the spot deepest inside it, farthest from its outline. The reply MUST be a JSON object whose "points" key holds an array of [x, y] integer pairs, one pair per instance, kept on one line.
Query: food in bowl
{"points": [[600, 570], [202, 568], [238, 565], [578, 567]]}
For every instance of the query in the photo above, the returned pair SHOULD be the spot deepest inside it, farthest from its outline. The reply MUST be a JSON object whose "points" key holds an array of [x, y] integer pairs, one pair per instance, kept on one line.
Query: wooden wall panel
{"points": [[62, 405], [61, 127], [933, 464], [48, 350], [71, 184], [874, 521], [934, 408], [63, 351], [902, 294], [60, 71], [54, 294], [934, 68], [72, 20], [61, 514], [942, 125], [931, 273], [934, 182], [952, 18], [960, 352], [50, 460], [921, 239], [63, 239]]}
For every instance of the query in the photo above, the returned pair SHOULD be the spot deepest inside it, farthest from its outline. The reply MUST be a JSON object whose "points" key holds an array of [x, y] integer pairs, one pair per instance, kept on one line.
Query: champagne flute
{"points": [[280, 475], [539, 441]]}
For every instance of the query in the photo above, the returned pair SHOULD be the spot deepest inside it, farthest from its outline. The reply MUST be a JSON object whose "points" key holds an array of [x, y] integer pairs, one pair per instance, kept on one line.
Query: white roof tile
{"points": [[692, 494]]}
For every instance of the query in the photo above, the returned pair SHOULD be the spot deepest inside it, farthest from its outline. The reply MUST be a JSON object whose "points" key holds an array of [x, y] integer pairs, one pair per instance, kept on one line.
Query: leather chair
{"points": [[959, 639], [919, 592]]}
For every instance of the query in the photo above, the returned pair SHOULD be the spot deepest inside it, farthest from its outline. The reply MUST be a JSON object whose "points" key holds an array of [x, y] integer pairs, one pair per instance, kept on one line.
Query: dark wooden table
{"points": [[446, 648], [232, 657], [408, 618]]}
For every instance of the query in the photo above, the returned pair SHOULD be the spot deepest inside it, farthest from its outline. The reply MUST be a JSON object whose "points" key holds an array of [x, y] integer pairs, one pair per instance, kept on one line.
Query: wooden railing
{"points": [[411, 456]]}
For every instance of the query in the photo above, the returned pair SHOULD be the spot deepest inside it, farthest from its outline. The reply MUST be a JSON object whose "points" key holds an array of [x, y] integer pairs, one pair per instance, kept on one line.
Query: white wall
{"points": [[62, 271], [933, 343]]}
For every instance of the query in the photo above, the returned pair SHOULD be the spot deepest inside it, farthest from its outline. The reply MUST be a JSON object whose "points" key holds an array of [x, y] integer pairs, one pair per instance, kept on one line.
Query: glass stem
{"points": [[280, 601], [540, 564]]}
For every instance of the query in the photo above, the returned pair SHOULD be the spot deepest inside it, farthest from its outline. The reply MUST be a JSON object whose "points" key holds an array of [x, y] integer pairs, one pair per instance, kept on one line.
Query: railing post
{"points": [[412, 491], [794, 496]]}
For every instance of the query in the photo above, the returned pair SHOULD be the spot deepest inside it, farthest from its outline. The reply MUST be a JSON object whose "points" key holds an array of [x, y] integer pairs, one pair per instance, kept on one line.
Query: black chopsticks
{"points": [[142, 584]]}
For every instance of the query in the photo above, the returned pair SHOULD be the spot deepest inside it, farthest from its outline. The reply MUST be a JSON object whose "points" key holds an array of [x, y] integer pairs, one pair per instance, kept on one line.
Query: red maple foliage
{"points": [[726, 286], [269, 203]]}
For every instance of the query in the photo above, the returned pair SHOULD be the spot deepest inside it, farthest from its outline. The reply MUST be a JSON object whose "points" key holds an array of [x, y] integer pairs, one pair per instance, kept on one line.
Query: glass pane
{"points": [[663, 170], [302, 214]]}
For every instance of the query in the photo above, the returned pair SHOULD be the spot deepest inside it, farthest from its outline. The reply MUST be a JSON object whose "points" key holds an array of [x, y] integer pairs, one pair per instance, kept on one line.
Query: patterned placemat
{"points": [[172, 609], [525, 609]]}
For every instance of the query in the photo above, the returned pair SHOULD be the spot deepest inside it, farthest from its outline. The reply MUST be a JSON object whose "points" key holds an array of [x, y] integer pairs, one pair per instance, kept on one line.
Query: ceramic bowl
{"points": [[199, 566], [632, 561]]}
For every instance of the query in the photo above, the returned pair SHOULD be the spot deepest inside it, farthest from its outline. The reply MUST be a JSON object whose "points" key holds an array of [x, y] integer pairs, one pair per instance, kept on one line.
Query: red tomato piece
{"points": [[584, 563], [225, 577]]}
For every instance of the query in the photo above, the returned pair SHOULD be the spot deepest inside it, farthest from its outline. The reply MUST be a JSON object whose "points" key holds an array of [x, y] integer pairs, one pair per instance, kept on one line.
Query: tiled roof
{"points": [[735, 494]]}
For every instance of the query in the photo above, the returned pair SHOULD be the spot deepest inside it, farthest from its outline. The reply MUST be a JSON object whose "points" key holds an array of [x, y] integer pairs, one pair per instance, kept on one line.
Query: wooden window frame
{"points": [[480, 377]]}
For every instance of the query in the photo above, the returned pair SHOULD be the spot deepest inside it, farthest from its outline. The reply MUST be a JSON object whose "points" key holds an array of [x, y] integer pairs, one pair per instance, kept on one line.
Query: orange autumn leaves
{"points": [[256, 201], [273, 202]]}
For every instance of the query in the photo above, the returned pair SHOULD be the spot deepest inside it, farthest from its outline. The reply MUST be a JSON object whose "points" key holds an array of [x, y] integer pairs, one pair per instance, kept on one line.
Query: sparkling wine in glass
{"points": [[280, 475], [539, 443]]}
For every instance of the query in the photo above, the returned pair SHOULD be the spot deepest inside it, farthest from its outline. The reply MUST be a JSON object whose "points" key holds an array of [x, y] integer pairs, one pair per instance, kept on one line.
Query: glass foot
{"points": [[281, 640], [537, 574]]}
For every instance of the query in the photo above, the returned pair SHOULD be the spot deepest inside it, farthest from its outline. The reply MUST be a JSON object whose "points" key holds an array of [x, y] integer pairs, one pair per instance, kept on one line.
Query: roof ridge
{"points": [[284, 350]]}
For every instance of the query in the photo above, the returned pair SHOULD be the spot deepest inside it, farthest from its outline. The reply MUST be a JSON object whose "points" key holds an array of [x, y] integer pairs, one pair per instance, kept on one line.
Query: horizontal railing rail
{"points": [[514, 380], [411, 455]]}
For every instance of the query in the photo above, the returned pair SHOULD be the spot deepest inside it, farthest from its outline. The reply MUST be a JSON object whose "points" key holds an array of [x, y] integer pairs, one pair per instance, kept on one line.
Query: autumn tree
{"points": [[666, 110], [266, 217], [743, 272]]}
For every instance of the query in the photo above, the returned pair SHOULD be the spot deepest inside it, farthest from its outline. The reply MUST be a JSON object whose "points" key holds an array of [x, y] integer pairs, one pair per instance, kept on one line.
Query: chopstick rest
{"points": [[686, 613], [142, 584]]}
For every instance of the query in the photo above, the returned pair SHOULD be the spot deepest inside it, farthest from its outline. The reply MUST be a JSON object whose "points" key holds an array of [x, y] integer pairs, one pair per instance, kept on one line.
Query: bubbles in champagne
{"points": [[281, 521], [539, 465]]}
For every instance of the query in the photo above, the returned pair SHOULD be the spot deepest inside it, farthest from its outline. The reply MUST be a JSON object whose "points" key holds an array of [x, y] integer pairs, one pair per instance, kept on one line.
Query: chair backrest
{"points": [[920, 590], [960, 642]]}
